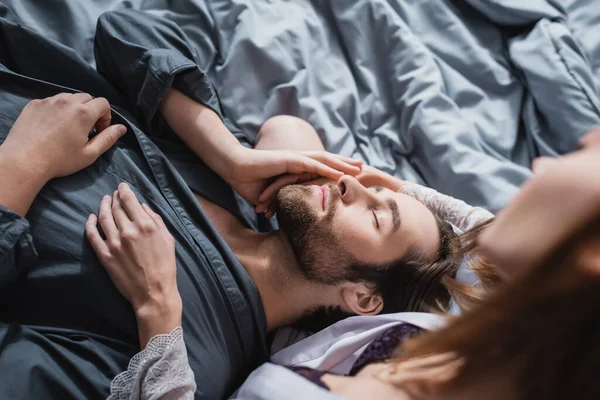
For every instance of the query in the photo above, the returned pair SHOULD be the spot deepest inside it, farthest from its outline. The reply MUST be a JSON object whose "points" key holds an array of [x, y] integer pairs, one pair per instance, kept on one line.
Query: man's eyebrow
{"points": [[396, 221]]}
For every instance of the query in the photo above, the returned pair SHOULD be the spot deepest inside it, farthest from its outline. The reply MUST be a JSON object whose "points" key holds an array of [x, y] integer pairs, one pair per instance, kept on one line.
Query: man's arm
{"points": [[51, 139]]}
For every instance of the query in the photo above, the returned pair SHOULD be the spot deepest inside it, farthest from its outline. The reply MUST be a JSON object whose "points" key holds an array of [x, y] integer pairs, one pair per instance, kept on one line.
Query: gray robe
{"points": [[65, 330]]}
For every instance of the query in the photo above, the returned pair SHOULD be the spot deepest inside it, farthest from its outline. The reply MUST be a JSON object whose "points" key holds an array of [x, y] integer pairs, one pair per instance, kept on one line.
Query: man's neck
{"points": [[269, 260]]}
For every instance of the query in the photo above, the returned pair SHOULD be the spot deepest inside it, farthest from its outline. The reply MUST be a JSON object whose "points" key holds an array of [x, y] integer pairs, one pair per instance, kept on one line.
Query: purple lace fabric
{"points": [[313, 375], [384, 347], [380, 349]]}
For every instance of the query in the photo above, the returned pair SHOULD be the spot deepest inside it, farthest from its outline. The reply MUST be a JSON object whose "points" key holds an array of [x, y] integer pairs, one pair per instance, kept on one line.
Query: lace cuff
{"points": [[458, 213], [160, 371]]}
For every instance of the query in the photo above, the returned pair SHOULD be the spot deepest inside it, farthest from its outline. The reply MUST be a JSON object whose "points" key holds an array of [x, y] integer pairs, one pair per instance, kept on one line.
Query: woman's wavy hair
{"points": [[542, 330]]}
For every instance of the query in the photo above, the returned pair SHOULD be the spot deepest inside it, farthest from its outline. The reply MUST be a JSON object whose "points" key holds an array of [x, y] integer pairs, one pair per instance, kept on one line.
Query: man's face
{"points": [[333, 225]]}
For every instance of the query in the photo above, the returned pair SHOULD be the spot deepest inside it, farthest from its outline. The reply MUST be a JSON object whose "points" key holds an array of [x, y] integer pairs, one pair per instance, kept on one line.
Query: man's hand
{"points": [[139, 256], [52, 135]]}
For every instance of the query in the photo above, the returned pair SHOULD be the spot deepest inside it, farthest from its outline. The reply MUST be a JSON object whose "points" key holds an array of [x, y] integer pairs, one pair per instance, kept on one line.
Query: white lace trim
{"points": [[160, 371], [458, 213]]}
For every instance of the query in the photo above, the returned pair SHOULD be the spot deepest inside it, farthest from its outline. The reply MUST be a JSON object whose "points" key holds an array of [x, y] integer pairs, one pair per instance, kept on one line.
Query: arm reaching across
{"points": [[510, 242], [248, 171], [160, 73]]}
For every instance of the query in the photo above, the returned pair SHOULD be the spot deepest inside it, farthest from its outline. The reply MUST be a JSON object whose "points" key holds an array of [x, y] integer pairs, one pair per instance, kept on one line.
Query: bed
{"points": [[460, 95]]}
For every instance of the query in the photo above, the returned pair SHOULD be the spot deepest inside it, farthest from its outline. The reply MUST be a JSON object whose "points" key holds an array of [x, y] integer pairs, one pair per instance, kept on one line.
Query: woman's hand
{"points": [[254, 169], [51, 139], [267, 197], [248, 171], [139, 256], [368, 177], [52, 135]]}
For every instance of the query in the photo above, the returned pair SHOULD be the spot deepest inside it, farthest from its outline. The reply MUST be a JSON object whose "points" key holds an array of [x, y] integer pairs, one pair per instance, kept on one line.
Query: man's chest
{"points": [[224, 222]]}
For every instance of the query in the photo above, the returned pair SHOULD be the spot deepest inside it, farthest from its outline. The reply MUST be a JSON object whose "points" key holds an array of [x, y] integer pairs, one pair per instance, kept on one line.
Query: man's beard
{"points": [[315, 246]]}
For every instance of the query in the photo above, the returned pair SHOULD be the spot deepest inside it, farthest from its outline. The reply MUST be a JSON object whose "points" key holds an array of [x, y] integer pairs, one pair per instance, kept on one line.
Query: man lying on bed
{"points": [[66, 330]]}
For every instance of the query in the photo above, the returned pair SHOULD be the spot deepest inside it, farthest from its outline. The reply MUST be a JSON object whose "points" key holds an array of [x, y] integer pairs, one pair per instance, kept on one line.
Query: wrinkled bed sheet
{"points": [[458, 94]]}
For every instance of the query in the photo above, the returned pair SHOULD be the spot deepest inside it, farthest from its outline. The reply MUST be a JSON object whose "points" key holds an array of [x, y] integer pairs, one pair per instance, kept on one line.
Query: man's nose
{"points": [[351, 189]]}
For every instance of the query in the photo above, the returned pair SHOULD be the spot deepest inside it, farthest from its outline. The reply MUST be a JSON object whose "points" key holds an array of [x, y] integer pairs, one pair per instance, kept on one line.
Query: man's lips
{"points": [[325, 194]]}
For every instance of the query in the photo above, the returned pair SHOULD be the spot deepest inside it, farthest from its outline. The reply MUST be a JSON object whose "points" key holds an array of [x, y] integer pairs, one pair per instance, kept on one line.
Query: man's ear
{"points": [[589, 255], [360, 300]]}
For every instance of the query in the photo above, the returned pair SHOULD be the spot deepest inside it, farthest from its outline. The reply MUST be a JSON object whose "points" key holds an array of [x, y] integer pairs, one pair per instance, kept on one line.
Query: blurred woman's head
{"points": [[537, 337]]}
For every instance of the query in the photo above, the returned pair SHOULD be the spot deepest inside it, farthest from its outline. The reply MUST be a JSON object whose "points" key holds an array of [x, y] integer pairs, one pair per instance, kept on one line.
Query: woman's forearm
{"points": [[202, 130], [158, 319]]}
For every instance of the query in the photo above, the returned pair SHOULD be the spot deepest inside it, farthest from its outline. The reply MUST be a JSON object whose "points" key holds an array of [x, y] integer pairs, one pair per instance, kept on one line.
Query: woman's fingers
{"points": [[98, 244], [156, 218], [130, 203], [280, 182], [324, 163], [268, 208], [267, 198], [122, 220], [104, 253], [346, 165], [429, 361], [106, 219], [348, 160], [298, 164]]}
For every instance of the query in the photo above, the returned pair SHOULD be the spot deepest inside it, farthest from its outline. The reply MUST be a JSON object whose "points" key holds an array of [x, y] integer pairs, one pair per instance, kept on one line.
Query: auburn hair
{"points": [[542, 330]]}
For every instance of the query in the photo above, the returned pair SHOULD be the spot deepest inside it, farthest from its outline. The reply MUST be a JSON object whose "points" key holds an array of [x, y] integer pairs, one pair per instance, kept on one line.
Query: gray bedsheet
{"points": [[458, 94]]}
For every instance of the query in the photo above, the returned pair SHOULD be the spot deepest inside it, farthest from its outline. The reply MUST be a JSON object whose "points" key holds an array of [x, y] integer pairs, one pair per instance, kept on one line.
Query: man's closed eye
{"points": [[375, 219]]}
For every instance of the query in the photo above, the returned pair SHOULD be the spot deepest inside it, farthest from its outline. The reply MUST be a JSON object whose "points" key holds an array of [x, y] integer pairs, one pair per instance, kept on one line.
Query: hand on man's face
{"points": [[52, 134]]}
